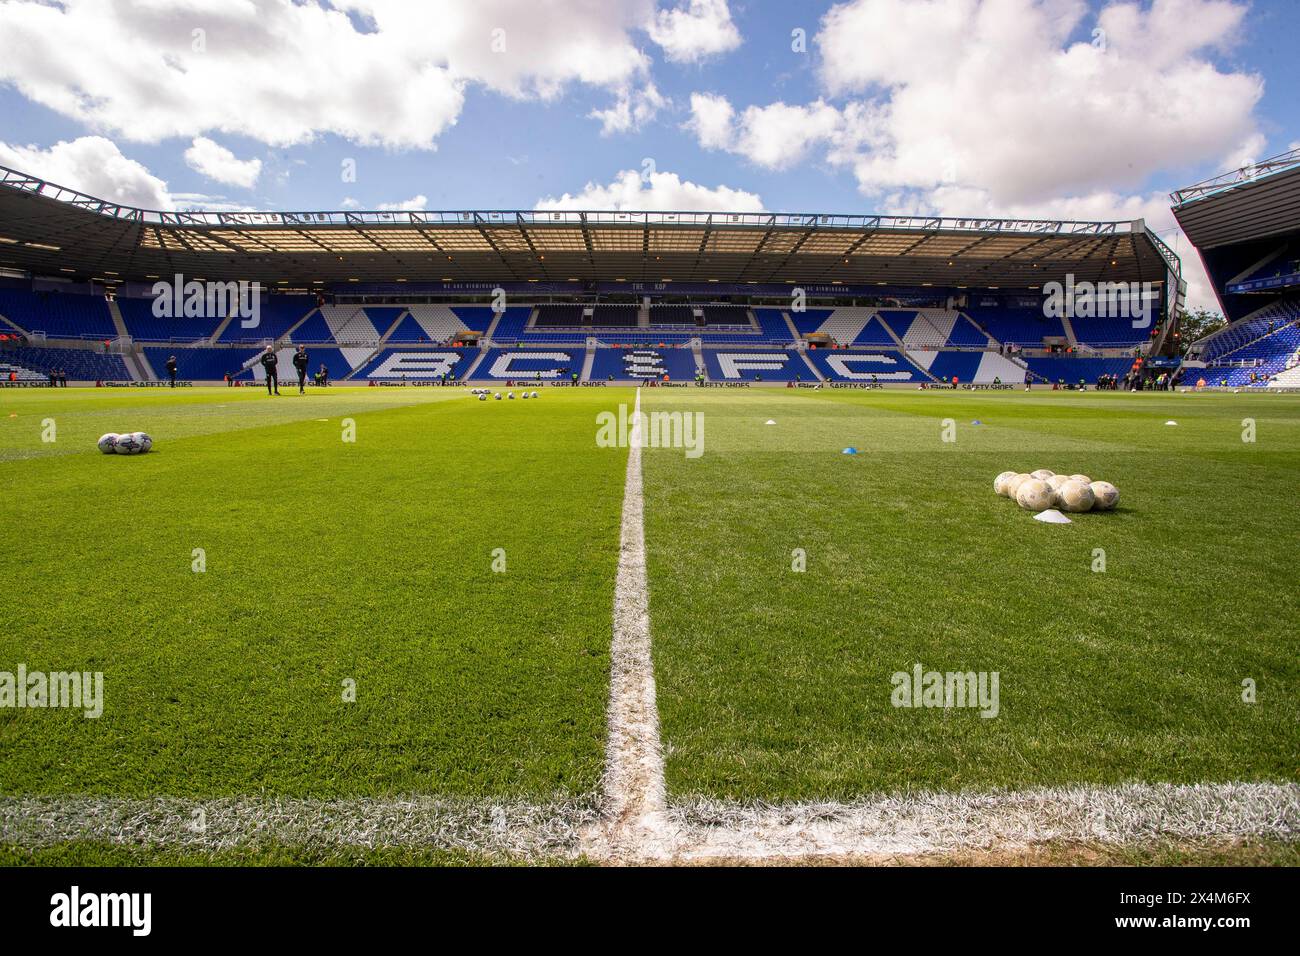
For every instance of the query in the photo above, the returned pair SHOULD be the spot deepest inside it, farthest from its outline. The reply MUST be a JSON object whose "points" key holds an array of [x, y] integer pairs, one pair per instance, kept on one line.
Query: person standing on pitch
{"points": [[300, 363], [269, 362], [171, 369]]}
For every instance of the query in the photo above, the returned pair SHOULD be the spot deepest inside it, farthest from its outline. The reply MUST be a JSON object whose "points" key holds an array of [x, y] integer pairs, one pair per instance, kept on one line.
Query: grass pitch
{"points": [[372, 561], [326, 561], [775, 685]]}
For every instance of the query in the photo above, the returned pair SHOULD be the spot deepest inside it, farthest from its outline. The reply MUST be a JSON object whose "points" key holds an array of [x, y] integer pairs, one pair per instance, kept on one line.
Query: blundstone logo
{"points": [[75, 908]]}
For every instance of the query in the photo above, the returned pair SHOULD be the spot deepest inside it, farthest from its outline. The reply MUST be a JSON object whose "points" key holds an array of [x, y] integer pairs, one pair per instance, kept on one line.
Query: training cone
{"points": [[1171, 423], [849, 451], [769, 422], [1052, 516]]}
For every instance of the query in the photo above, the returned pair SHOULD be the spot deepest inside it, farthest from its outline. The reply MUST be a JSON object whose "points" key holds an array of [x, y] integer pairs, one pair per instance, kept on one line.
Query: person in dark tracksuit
{"points": [[269, 362], [300, 363], [171, 369]]}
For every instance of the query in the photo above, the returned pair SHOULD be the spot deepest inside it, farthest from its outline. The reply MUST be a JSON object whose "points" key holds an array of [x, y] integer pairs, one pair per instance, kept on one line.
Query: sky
{"points": [[1080, 109]]}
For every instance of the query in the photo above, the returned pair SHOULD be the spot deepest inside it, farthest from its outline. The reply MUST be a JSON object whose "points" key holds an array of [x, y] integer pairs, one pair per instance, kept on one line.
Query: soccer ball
{"points": [[1074, 496], [1105, 495], [1000, 482], [1056, 481], [1034, 494], [145, 441], [1081, 478], [107, 443], [482, 397], [1012, 485], [1042, 474], [127, 445], [523, 394], [498, 396], [534, 394], [510, 395]]}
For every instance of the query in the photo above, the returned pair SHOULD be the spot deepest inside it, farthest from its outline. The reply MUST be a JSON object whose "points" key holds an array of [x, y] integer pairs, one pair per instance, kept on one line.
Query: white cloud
{"points": [[993, 93], [414, 204], [665, 192], [349, 203], [284, 72], [632, 110], [702, 28], [775, 136], [95, 166], [214, 161]]}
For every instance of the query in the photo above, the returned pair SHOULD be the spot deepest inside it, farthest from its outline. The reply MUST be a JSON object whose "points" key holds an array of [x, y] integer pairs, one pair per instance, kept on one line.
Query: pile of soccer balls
{"points": [[1042, 489], [485, 393], [128, 443]]}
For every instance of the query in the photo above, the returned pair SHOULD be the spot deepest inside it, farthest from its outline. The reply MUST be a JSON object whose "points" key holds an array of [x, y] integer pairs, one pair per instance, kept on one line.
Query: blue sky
{"points": [[1059, 108]]}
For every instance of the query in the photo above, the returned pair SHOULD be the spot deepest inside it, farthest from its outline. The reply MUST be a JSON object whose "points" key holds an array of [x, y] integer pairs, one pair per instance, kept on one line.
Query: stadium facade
{"points": [[1246, 226], [108, 292]]}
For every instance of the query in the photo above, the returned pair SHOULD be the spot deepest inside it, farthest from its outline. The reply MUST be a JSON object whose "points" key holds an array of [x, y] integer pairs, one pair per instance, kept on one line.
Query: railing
{"points": [[1251, 172]]}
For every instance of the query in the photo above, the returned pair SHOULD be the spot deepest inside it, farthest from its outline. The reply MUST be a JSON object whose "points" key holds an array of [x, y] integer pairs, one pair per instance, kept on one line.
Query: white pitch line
{"points": [[926, 823], [508, 829], [634, 793]]}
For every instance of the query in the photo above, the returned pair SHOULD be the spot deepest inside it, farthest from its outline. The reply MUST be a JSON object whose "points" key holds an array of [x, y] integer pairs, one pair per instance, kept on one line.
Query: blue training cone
{"points": [[849, 451]]}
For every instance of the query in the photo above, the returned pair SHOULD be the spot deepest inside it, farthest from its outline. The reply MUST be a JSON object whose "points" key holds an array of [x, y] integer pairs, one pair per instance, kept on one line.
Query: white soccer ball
{"points": [[523, 394], [534, 394], [127, 445], [145, 441], [1042, 474], [1035, 494], [1000, 482], [1082, 478], [1074, 496], [498, 396], [1056, 481], [510, 394], [107, 442], [1105, 495], [1012, 485], [482, 398]]}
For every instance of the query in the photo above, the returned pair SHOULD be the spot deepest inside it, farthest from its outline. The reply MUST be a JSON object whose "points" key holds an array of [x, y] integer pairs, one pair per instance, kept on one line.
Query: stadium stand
{"points": [[559, 317], [501, 365], [643, 363], [858, 365], [202, 364], [614, 316], [509, 327], [418, 364], [58, 314], [143, 326], [276, 315], [672, 315], [1016, 326], [1055, 369], [82, 365], [766, 365]]}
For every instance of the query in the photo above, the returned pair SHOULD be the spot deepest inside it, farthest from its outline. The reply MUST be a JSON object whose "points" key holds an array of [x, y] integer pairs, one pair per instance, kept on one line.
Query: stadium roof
{"points": [[50, 230], [1254, 202]]}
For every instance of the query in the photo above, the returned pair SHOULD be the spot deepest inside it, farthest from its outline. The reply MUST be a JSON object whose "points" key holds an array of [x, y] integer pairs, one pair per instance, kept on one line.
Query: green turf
{"points": [[775, 685], [326, 561]]}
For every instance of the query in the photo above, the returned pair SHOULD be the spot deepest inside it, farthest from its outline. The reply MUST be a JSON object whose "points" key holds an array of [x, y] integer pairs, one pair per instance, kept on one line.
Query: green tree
{"points": [[1196, 324]]}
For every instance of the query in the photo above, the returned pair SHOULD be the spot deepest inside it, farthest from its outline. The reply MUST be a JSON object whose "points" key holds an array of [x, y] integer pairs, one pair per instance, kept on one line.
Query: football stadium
{"points": [[609, 542], [620, 537]]}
